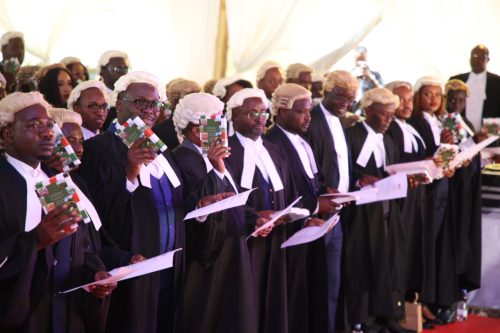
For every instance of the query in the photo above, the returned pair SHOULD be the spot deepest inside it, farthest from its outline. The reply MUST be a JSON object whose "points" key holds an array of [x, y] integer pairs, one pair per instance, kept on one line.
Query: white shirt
{"points": [[435, 125], [300, 145], [340, 147], [256, 155], [474, 103], [87, 134]]}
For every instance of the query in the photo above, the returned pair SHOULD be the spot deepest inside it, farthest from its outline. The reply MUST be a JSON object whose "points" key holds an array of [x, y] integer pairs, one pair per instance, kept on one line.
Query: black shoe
{"points": [[428, 326], [446, 315]]}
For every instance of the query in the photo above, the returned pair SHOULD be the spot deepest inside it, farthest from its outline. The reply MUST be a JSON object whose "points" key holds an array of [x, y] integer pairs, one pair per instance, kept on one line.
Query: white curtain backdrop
{"points": [[405, 38]]}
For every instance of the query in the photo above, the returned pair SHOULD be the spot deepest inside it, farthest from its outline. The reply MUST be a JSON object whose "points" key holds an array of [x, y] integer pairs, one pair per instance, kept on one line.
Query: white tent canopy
{"points": [[406, 39]]}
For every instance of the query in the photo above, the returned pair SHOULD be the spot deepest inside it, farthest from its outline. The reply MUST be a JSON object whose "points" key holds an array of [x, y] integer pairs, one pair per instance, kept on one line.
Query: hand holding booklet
{"points": [[310, 234], [392, 187], [276, 217], [231, 202], [163, 261]]}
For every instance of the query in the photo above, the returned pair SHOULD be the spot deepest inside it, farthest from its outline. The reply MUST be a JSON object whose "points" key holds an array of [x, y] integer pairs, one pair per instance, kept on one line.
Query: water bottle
{"points": [[357, 329], [462, 310]]}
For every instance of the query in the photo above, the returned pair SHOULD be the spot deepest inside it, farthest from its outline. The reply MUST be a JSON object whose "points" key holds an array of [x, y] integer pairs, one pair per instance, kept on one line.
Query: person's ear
{"points": [[7, 134]]}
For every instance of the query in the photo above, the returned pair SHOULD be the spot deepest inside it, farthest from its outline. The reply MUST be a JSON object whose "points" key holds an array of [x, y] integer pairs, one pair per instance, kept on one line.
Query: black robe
{"points": [[131, 219], [166, 132], [219, 294], [26, 276], [306, 264], [440, 271], [465, 206], [268, 259], [374, 245], [413, 210]]}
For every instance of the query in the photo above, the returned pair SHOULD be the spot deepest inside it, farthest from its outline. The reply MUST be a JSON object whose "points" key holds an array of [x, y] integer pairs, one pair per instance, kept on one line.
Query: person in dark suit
{"points": [[329, 144], [217, 256], [374, 235], [255, 162], [41, 254], [484, 99], [142, 209], [306, 264]]}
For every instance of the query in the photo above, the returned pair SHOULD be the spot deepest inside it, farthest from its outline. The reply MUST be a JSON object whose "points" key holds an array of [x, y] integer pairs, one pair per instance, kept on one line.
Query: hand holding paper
{"points": [[276, 216], [311, 233]]}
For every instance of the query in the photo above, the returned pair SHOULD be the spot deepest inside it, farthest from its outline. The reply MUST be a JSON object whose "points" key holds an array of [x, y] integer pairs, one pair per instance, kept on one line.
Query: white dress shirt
{"points": [[474, 102], [87, 134], [340, 144]]}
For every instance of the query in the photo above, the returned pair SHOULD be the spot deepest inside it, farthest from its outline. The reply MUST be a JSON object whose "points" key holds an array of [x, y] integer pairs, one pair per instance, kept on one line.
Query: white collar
{"points": [[87, 134], [374, 144], [297, 141], [23, 168], [481, 75]]}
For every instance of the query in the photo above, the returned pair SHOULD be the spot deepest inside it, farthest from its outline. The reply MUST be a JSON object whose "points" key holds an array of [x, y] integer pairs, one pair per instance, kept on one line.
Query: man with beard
{"points": [[306, 269], [90, 100], [41, 254], [328, 142], [141, 206]]}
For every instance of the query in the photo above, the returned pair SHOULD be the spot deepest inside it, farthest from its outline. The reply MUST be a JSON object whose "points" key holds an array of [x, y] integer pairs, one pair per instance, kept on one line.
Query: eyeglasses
{"points": [[94, 108], [118, 70], [254, 115], [342, 99], [143, 104]]}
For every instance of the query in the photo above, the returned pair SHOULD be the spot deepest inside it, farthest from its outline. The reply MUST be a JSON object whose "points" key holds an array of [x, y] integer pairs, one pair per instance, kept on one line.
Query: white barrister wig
{"points": [[2, 79], [180, 87], [391, 86], [239, 97], [316, 77], [219, 89], [62, 116], [77, 91], [18, 101], [427, 81], [70, 60], [191, 107], [138, 77], [342, 79], [261, 72], [379, 95], [293, 71], [6, 37], [108, 55], [456, 85], [285, 95]]}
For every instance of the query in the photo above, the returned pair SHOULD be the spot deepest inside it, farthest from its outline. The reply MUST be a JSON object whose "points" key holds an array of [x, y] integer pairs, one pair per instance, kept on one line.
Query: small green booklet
{"points": [[212, 129], [58, 191], [135, 129], [63, 147]]}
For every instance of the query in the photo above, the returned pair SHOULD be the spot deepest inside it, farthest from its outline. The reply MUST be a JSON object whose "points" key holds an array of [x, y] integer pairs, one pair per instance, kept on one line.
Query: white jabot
{"points": [[410, 136], [435, 125], [33, 205], [87, 134], [340, 144], [304, 151], [256, 155], [466, 127], [474, 102], [157, 168], [374, 144]]}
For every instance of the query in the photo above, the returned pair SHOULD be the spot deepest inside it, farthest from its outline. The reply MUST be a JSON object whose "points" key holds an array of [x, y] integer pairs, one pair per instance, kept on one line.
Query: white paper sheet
{"points": [[231, 202], [296, 213], [366, 192], [163, 261], [472, 151], [392, 187], [275, 217], [3, 262], [310, 234], [418, 167]]}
